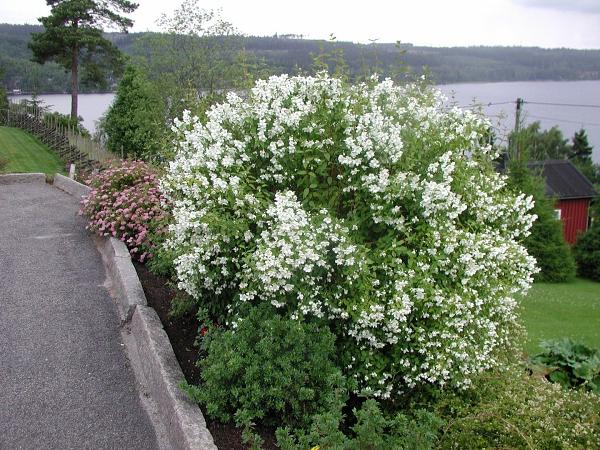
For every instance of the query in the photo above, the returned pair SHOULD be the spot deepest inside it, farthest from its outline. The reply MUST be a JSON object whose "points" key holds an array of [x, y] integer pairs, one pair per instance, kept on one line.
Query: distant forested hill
{"points": [[282, 54]]}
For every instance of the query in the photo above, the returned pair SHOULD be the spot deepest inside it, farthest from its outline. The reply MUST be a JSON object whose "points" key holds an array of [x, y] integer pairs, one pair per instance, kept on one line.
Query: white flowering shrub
{"points": [[372, 208]]}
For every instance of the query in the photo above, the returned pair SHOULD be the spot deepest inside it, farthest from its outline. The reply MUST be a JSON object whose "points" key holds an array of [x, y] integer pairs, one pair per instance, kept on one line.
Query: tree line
{"points": [[289, 55]]}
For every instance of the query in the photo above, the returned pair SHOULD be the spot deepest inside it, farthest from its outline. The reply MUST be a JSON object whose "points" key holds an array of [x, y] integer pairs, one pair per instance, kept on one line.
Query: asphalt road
{"points": [[65, 381]]}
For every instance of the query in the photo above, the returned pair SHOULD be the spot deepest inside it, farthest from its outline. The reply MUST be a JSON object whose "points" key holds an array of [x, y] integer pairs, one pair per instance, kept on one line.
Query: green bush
{"points": [[370, 207], [65, 120], [587, 254], [3, 98], [124, 202], [546, 242], [3, 105], [570, 364], [373, 430], [134, 125], [268, 368], [510, 409]]}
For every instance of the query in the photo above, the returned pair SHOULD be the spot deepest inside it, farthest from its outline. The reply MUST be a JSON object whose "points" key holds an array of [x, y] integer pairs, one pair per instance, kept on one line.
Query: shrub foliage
{"points": [[269, 368], [571, 364], [587, 254], [134, 124], [510, 409], [371, 208], [125, 203], [416, 430]]}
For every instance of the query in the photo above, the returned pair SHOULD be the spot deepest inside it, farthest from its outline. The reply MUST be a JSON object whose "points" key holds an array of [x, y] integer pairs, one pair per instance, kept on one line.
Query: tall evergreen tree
{"points": [[580, 148], [546, 242], [135, 123], [73, 37]]}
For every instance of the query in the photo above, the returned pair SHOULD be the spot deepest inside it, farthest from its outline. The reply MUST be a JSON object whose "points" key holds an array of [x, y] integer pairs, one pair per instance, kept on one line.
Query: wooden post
{"points": [[516, 149]]}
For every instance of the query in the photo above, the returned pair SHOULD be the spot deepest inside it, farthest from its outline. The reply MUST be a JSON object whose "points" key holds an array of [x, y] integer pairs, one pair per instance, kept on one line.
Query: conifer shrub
{"points": [[546, 243], [134, 124], [587, 253]]}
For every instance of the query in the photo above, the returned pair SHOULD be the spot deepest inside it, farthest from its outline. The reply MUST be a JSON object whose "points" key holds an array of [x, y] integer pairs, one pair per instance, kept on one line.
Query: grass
{"points": [[24, 153], [552, 311]]}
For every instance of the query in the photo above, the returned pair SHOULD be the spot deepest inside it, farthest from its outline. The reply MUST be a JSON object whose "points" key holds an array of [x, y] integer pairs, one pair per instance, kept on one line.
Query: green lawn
{"points": [[553, 311], [26, 153]]}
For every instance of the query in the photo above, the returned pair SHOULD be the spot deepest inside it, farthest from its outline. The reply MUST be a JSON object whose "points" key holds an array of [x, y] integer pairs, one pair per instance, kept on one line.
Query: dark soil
{"points": [[182, 334]]}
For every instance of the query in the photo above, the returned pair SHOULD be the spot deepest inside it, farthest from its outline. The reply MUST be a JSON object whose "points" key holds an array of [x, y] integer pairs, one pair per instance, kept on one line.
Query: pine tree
{"points": [[73, 37], [546, 242], [135, 123], [580, 149]]}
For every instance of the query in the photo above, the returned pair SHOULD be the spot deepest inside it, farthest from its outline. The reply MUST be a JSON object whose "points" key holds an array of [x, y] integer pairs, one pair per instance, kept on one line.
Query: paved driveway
{"points": [[65, 381]]}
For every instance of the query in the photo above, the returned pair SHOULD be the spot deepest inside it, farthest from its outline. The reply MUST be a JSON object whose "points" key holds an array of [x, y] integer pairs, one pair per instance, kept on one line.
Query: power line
{"points": [[501, 103], [564, 120], [576, 105], [562, 104]]}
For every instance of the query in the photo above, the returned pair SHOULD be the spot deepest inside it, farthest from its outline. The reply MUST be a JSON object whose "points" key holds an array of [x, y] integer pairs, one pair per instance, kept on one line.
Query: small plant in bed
{"points": [[508, 408], [570, 364], [126, 203], [268, 369]]}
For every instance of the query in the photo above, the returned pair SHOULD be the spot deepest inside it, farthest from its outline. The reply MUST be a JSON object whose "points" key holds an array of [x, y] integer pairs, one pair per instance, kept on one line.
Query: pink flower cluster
{"points": [[125, 202]]}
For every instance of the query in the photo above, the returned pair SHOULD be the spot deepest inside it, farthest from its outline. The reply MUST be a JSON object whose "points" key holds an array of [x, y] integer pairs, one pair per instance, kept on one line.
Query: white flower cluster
{"points": [[371, 208]]}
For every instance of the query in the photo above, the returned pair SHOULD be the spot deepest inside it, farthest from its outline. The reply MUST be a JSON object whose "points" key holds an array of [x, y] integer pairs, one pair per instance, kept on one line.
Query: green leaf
{"points": [[560, 377], [584, 370]]}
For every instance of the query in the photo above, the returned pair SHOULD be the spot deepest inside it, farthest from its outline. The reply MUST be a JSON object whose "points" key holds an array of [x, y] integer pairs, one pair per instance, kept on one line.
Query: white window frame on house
{"points": [[558, 213]]}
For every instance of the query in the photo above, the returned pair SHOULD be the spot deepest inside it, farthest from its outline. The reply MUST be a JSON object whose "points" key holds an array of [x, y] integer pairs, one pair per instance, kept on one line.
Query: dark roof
{"points": [[563, 179]]}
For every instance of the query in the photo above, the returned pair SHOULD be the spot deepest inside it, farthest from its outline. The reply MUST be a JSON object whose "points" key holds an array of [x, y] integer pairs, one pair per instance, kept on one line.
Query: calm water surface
{"points": [[90, 106], [568, 118]]}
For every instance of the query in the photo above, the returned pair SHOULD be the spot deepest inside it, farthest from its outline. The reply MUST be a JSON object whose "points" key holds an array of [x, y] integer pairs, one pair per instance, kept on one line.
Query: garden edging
{"points": [[158, 369]]}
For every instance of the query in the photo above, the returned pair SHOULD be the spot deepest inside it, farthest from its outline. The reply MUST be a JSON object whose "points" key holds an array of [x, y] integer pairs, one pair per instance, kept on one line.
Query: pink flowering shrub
{"points": [[126, 203]]}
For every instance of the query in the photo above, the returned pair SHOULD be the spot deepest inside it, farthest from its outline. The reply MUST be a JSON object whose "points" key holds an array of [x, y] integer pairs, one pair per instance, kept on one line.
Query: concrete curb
{"points": [[158, 369], [70, 186], [11, 178], [183, 419], [125, 282]]}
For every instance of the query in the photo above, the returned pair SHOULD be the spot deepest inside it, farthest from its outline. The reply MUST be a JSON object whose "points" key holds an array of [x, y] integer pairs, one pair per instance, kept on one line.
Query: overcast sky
{"points": [[543, 23]]}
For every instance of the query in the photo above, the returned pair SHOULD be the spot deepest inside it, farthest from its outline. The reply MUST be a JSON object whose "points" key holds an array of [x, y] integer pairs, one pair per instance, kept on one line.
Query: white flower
{"points": [[372, 207]]}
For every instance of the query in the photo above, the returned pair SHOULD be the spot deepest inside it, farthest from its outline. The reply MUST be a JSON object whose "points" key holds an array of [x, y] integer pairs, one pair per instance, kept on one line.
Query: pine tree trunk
{"points": [[74, 82]]}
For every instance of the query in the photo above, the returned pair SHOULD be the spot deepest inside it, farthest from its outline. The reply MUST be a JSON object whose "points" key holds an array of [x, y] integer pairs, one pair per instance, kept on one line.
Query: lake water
{"points": [[90, 106], [502, 96]]}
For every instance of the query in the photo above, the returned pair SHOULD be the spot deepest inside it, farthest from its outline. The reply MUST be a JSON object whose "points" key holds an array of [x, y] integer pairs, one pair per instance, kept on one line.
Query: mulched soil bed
{"points": [[182, 334]]}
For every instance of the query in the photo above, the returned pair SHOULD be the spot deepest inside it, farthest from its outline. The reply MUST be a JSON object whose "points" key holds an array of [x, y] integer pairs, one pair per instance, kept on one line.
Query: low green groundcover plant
{"points": [[508, 408], [372, 209], [125, 203], [569, 363], [587, 253], [372, 430]]}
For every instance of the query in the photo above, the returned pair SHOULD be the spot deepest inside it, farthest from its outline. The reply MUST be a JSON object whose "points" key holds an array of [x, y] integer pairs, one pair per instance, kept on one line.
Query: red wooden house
{"points": [[573, 193]]}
